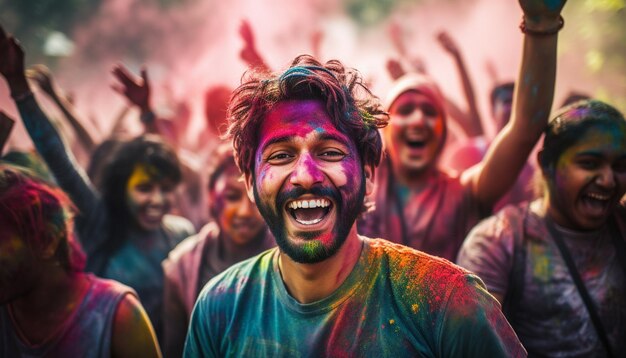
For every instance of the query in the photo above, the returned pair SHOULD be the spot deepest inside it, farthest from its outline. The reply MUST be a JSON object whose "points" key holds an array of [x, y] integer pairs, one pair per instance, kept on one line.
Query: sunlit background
{"points": [[189, 45]]}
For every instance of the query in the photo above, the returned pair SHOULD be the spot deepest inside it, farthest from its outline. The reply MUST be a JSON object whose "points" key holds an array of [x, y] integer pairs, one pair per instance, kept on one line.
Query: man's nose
{"points": [[306, 172]]}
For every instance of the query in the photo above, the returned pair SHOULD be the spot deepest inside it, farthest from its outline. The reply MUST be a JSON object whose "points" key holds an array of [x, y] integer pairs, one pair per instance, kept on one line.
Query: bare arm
{"points": [[534, 92], [133, 335], [43, 78], [472, 123]]}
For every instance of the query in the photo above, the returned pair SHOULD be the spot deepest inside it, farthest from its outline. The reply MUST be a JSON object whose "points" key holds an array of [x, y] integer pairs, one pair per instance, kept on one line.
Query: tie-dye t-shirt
{"points": [[550, 317], [87, 333], [396, 302], [434, 220]]}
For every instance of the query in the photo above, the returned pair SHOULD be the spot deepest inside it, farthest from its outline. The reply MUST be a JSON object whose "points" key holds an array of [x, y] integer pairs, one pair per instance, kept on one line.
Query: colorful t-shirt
{"points": [[435, 220], [87, 333], [396, 302], [550, 317]]}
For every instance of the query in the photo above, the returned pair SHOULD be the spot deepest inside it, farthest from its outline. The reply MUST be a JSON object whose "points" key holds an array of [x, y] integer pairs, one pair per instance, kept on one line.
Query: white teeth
{"points": [[309, 222], [598, 196], [309, 204]]}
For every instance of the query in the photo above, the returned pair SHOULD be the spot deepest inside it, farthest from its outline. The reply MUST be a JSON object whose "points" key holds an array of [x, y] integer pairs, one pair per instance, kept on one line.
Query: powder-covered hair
{"points": [[220, 159], [40, 214], [566, 128], [351, 106], [571, 122]]}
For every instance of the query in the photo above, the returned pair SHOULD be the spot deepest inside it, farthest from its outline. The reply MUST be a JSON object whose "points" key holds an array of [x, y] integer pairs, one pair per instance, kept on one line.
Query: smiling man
{"points": [[308, 148]]}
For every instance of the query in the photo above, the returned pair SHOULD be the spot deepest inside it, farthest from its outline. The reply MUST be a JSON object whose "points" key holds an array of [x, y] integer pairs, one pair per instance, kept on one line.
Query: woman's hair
{"points": [[569, 125], [350, 105], [40, 214], [148, 150]]}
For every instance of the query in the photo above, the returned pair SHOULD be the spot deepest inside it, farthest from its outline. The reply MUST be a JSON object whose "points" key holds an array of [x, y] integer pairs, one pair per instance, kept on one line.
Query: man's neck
{"points": [[312, 282]]}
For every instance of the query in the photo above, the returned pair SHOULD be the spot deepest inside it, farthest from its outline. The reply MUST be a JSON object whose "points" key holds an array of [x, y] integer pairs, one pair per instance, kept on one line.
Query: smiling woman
{"points": [[519, 255]]}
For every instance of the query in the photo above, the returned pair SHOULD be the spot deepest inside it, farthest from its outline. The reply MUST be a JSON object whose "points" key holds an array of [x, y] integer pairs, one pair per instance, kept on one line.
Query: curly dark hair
{"points": [[149, 150], [352, 108]]}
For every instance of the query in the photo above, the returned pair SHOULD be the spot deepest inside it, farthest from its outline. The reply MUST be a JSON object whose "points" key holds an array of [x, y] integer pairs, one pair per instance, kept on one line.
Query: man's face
{"points": [[415, 134], [589, 179], [148, 197], [236, 215], [308, 181]]}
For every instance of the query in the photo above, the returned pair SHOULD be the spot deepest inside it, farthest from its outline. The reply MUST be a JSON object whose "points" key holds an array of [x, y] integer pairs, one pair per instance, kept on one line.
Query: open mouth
{"points": [[309, 211], [418, 144], [596, 204]]}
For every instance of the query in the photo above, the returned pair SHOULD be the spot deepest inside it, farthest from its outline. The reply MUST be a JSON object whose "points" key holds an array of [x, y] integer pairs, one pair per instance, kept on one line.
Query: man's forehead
{"points": [[293, 119]]}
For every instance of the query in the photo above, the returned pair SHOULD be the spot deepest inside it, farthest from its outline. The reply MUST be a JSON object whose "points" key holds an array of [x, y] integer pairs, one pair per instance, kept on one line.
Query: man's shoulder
{"points": [[410, 268]]}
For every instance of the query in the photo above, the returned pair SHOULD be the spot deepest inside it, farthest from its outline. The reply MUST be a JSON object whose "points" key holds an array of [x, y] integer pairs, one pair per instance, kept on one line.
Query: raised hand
{"points": [[41, 75], [249, 53], [12, 64], [136, 90]]}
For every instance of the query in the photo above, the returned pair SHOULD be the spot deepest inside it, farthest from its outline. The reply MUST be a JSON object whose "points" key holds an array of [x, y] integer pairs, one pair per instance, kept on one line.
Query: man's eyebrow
{"points": [[279, 139], [334, 136]]}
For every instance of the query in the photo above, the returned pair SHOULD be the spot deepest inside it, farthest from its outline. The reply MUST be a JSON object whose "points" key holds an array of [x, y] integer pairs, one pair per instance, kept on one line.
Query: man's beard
{"points": [[312, 250]]}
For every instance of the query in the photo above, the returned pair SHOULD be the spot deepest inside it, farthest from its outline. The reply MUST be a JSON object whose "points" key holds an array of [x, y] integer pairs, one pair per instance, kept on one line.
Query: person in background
{"points": [[48, 306], [418, 204], [124, 228], [529, 255], [236, 232]]}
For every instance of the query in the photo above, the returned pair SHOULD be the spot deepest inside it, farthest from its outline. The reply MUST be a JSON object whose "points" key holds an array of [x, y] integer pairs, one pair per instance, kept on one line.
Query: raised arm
{"points": [[137, 92], [6, 125], [44, 135], [249, 54], [534, 92], [471, 124], [43, 78]]}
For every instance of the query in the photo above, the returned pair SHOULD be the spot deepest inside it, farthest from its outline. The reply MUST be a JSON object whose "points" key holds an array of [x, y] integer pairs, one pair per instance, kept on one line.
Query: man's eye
{"points": [[332, 155], [278, 158]]}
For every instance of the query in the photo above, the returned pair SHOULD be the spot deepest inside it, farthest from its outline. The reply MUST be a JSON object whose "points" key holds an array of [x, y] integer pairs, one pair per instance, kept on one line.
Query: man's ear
{"points": [[249, 182], [369, 171]]}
